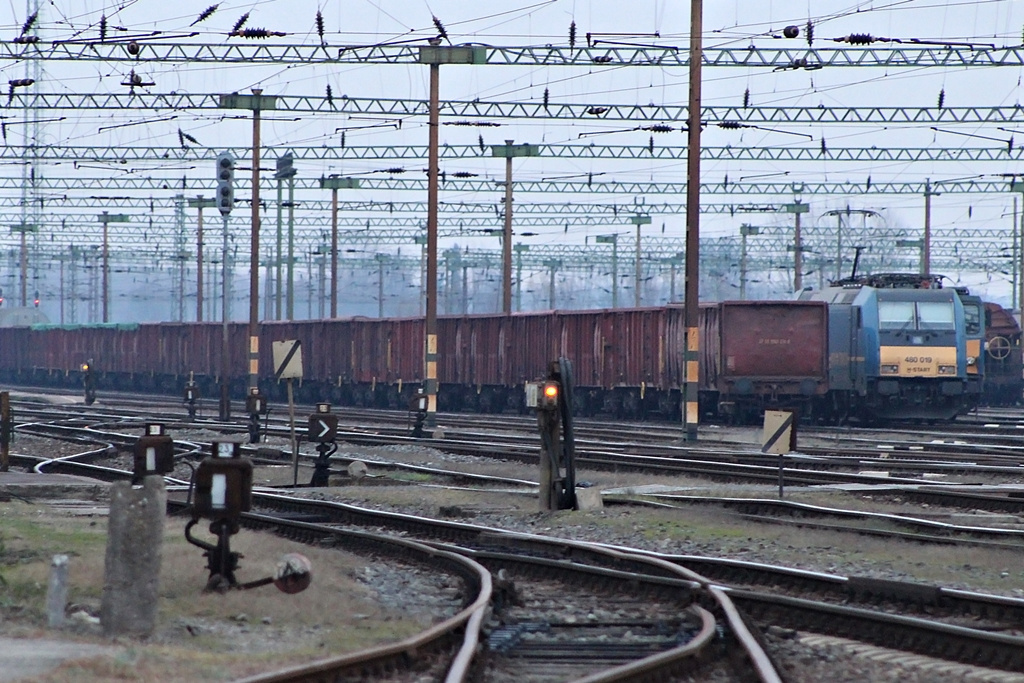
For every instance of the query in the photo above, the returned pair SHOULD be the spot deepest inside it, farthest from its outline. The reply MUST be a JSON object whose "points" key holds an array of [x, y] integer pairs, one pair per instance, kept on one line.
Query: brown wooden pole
{"points": [[254, 251], [430, 348], [692, 277]]}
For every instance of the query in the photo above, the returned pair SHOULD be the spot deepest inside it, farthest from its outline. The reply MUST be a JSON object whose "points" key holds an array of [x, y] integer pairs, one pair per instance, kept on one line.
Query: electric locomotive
{"points": [[897, 348]]}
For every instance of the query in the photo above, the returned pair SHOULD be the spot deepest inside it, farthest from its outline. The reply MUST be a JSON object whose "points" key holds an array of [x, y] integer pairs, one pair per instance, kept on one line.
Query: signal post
{"points": [[225, 202], [256, 103], [552, 399], [323, 430]]}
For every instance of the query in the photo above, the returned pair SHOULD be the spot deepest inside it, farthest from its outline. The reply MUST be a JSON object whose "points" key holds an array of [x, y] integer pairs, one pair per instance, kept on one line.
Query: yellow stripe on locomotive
{"points": [[917, 361], [974, 351]]}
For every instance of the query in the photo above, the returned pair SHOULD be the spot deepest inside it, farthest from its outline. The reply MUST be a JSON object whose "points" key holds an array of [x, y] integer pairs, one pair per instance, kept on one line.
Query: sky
{"points": [[190, 137]]}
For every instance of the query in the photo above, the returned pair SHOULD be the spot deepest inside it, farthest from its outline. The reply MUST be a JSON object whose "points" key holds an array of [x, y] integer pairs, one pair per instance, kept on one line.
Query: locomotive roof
{"points": [[833, 295], [892, 281], [849, 293]]}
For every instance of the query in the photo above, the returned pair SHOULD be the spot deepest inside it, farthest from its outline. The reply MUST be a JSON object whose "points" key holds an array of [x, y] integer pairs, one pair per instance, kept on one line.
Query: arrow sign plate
{"points": [[322, 428]]}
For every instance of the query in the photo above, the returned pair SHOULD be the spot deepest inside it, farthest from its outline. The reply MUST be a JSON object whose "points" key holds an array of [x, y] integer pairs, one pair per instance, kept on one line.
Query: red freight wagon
{"points": [[627, 362]]}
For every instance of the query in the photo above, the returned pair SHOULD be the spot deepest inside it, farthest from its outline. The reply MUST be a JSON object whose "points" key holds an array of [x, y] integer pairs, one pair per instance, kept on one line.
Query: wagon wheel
{"points": [[999, 347]]}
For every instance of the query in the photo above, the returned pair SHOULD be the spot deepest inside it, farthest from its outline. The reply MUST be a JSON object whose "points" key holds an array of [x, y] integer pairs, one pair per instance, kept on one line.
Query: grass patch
{"points": [[411, 477], [199, 636]]}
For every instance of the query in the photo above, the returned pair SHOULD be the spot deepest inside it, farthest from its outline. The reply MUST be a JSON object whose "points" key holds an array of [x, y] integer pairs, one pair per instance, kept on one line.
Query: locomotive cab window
{"points": [[923, 315], [935, 315], [896, 315]]}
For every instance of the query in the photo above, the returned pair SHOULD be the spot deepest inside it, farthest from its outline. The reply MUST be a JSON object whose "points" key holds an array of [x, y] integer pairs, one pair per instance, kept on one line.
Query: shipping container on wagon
{"points": [[766, 354]]}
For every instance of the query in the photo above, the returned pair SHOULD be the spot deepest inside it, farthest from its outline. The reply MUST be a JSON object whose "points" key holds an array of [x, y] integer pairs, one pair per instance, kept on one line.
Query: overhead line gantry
{"points": [[725, 186], [599, 55], [810, 151], [578, 112]]}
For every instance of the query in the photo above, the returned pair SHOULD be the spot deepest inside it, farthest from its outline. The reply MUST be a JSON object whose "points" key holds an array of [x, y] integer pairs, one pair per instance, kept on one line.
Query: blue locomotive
{"points": [[898, 349]]}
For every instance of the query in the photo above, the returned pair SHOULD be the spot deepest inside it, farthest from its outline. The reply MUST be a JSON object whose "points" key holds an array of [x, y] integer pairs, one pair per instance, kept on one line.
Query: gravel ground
{"points": [[690, 531], [801, 657]]}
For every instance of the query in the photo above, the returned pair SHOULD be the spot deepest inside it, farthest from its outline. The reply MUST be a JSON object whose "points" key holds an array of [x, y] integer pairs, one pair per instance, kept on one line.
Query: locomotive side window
{"points": [[935, 315], [972, 318], [895, 315]]}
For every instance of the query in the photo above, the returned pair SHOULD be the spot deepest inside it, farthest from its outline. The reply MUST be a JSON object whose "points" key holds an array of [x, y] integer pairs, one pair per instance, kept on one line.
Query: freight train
{"points": [[855, 351]]}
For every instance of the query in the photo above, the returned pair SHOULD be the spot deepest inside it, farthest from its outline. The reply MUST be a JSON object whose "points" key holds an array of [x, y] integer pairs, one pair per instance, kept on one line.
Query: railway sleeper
{"points": [[865, 588], [933, 639]]}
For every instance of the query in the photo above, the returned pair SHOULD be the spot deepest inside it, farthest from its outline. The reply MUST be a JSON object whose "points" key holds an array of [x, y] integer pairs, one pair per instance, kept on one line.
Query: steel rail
{"points": [[758, 659], [940, 532], [945, 641], [670, 661], [844, 589], [1004, 651], [662, 572], [741, 465], [952, 534], [643, 669], [718, 569], [959, 601]]}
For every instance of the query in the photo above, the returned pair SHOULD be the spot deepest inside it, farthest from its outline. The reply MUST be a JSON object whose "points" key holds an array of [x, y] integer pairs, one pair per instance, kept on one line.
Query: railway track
{"points": [[922, 634], [851, 450], [860, 522], [999, 613], [643, 648], [647, 652], [717, 465]]}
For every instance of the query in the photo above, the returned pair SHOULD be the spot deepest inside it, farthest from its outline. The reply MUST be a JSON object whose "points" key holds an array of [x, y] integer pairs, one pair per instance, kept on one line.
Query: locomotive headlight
{"points": [[947, 369], [971, 360], [890, 369]]}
